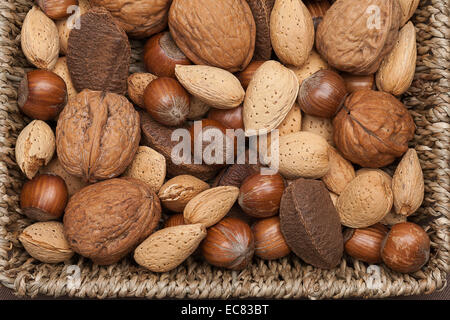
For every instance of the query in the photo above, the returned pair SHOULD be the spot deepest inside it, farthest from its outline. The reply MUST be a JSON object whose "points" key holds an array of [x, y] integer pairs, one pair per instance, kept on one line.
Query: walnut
{"points": [[97, 135], [373, 128], [107, 220], [139, 18], [358, 43]]}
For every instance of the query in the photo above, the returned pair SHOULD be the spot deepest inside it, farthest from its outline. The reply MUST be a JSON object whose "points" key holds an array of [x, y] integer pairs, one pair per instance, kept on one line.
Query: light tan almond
{"points": [[386, 175], [291, 124], [197, 109], [270, 96], [148, 166], [45, 241], [291, 31], [215, 87], [39, 39], [303, 155], [366, 200], [396, 72], [340, 174], [35, 147], [178, 191], [137, 82], [321, 126], [408, 185], [167, 248], [408, 8], [334, 197], [62, 70], [311, 66], [211, 205]]}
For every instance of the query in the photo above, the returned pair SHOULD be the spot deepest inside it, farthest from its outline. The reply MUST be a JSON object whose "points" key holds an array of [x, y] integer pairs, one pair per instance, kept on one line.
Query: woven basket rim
{"points": [[286, 278]]}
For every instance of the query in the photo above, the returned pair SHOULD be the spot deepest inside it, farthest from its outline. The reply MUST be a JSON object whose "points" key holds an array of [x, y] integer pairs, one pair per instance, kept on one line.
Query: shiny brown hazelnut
{"points": [[269, 241], [247, 74], [161, 55], [57, 9], [229, 244], [42, 95], [44, 197], [357, 82], [174, 220], [406, 248], [322, 93], [364, 244], [260, 195], [230, 118], [167, 101]]}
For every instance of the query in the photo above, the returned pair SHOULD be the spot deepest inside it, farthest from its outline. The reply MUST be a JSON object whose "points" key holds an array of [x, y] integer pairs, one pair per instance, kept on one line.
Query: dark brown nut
{"points": [[215, 33], [139, 18], [97, 135], [261, 10], [358, 43], [99, 53], [317, 8], [158, 137], [310, 223], [373, 128], [107, 220]]}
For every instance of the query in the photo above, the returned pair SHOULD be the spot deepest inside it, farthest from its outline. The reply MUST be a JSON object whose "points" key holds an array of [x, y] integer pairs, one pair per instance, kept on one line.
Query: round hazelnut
{"points": [[230, 118], [57, 9], [174, 220], [247, 74], [357, 82], [269, 241]]}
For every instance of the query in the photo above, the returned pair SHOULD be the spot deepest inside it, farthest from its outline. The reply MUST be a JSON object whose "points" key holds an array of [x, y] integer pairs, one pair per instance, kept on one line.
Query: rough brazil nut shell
{"points": [[310, 224], [261, 10], [97, 135], [215, 33], [107, 220]]}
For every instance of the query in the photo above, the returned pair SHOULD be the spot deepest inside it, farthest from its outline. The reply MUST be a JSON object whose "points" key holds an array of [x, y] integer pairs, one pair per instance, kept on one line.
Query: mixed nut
{"points": [[294, 74]]}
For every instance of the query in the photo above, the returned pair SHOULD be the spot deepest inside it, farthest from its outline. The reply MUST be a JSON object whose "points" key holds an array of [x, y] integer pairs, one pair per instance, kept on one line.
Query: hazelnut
{"points": [[174, 220], [355, 82], [406, 248], [260, 195], [44, 197], [231, 118], [167, 101], [161, 55], [364, 244], [42, 94], [269, 241], [57, 9], [229, 244], [247, 74]]}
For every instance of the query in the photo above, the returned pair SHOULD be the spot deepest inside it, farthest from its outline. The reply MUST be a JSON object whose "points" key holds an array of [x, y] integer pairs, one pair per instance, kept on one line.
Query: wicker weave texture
{"points": [[428, 101]]}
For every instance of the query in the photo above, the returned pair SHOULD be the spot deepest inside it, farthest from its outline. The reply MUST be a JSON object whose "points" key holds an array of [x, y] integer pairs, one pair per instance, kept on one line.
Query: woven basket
{"points": [[428, 101]]}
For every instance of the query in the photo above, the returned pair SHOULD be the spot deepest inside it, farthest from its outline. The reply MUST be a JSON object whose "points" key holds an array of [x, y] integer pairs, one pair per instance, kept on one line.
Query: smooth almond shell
{"points": [[303, 154], [39, 39], [408, 8], [45, 242], [178, 191], [137, 82], [387, 178], [167, 248], [366, 200], [62, 70], [318, 125], [340, 174], [291, 31], [270, 96], [313, 64], [396, 72], [214, 86], [35, 147], [408, 185], [211, 205]]}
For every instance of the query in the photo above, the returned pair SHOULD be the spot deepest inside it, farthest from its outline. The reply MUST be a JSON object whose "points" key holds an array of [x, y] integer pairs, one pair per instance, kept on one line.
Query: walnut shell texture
{"points": [[139, 18], [216, 33], [358, 43], [373, 128], [107, 220], [97, 135]]}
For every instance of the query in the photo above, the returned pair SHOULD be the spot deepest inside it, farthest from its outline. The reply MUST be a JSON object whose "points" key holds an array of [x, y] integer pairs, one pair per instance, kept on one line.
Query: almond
{"points": [[291, 31], [396, 72], [385, 175], [39, 39], [408, 8], [313, 64], [270, 96], [35, 147], [62, 70], [341, 172], [303, 154], [408, 184], [291, 124], [167, 248], [177, 192], [210, 206], [137, 82], [366, 200], [214, 86], [45, 242], [321, 126], [148, 166]]}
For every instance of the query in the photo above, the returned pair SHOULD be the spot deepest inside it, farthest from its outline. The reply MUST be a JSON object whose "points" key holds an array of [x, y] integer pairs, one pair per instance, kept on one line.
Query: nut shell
{"points": [[320, 126], [137, 82], [365, 244], [313, 64], [97, 135], [340, 174], [261, 10], [62, 70], [269, 241], [107, 220]]}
